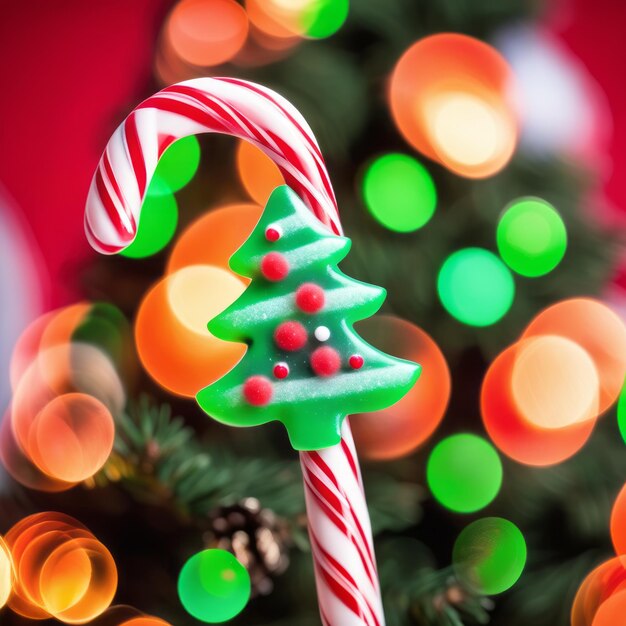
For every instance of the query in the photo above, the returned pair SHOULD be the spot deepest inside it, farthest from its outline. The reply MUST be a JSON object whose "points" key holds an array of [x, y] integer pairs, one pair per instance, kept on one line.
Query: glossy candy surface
{"points": [[322, 386]]}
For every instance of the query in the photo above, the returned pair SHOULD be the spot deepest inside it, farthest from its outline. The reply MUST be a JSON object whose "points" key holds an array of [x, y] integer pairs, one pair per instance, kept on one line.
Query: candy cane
{"points": [[339, 524]]}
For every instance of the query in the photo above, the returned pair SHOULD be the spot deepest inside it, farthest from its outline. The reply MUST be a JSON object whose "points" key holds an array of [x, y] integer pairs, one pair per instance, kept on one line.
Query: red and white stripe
{"points": [[339, 524], [202, 105], [341, 536]]}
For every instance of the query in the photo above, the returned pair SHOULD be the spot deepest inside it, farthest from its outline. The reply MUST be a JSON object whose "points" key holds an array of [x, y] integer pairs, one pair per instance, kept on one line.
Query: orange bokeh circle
{"points": [[78, 581], [71, 437], [449, 96], [213, 238], [258, 173], [618, 523], [207, 32], [511, 433], [270, 22], [61, 370], [179, 356], [47, 331], [7, 573], [601, 584], [20, 466], [37, 544], [554, 382], [19, 538], [612, 612], [399, 429], [596, 328], [63, 570], [145, 621]]}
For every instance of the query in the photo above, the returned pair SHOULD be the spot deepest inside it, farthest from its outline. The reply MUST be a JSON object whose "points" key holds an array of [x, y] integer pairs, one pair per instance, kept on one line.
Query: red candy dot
{"points": [[310, 298], [274, 266], [272, 233], [325, 361], [356, 361], [281, 370], [257, 390], [290, 336]]}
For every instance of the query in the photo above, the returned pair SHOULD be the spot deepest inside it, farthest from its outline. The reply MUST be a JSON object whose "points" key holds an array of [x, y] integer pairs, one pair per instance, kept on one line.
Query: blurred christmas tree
{"points": [[181, 484]]}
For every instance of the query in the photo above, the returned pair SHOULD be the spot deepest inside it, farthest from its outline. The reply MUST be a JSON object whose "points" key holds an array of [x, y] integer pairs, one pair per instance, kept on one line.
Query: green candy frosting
{"points": [[311, 407]]}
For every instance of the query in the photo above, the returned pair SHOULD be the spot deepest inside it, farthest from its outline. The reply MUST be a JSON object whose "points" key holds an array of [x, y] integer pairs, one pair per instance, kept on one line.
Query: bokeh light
{"points": [[145, 621], [271, 21], [511, 433], [598, 330], [612, 611], [104, 326], [157, 225], [61, 370], [402, 427], [599, 586], [47, 331], [258, 173], [71, 437], [207, 32], [399, 192], [316, 19], [449, 96], [489, 555], [213, 238], [554, 382], [531, 237], [618, 523], [621, 413], [21, 537], [20, 467], [176, 167], [63, 570], [99, 324], [7, 574], [60, 429], [464, 473], [214, 586], [323, 18], [175, 350], [192, 292], [471, 134], [475, 287], [78, 581]]}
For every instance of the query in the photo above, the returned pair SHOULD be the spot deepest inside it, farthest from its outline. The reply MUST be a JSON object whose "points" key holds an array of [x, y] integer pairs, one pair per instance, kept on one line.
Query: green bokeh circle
{"points": [[489, 555], [621, 412], [176, 167], [399, 192], [475, 287], [214, 586], [157, 225], [323, 18], [464, 473], [531, 237]]}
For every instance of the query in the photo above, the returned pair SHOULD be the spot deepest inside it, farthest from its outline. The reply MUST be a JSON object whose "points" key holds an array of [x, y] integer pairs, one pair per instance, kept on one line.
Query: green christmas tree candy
{"points": [[305, 365]]}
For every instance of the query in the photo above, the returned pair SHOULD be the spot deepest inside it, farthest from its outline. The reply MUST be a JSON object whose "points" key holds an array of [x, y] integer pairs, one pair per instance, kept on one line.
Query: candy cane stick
{"points": [[339, 525]]}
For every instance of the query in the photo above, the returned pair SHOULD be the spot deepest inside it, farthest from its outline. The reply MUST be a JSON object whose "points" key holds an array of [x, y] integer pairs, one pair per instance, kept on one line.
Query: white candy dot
{"points": [[322, 333]]}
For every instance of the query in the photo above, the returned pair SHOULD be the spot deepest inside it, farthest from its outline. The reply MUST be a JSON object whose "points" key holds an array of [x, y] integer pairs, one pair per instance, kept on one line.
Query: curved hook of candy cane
{"points": [[202, 105]]}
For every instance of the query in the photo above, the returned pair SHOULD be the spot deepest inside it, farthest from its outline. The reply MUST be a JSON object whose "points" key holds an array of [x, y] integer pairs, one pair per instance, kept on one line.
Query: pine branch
{"points": [[158, 458], [415, 593]]}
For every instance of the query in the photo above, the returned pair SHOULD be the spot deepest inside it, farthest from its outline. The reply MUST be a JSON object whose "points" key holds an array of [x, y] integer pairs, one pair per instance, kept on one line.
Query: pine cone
{"points": [[255, 536]]}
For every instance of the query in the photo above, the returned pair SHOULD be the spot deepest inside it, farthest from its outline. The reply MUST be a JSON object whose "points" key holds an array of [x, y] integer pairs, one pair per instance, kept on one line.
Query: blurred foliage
{"points": [[160, 460]]}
